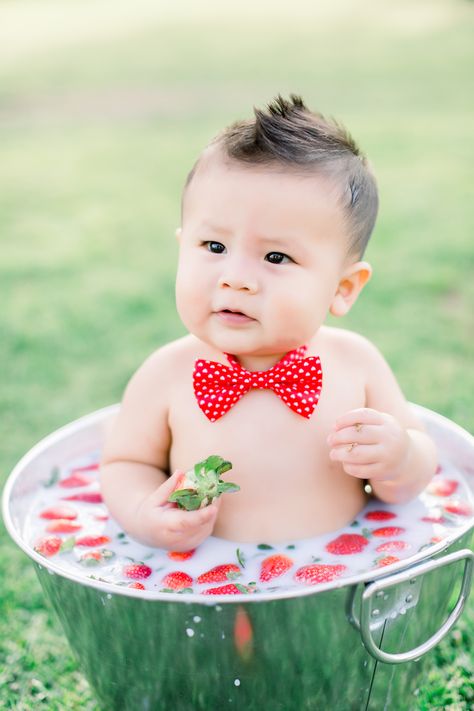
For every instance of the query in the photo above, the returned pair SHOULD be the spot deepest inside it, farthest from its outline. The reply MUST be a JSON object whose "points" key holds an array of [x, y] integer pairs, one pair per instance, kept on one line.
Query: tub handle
{"points": [[368, 614]]}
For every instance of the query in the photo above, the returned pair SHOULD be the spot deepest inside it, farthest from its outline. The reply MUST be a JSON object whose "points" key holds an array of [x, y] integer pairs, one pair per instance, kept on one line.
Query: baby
{"points": [[276, 215]]}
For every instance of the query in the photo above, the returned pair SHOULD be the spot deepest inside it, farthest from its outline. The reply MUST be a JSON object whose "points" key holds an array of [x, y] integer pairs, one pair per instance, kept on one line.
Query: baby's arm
{"points": [[384, 442], [134, 479]]}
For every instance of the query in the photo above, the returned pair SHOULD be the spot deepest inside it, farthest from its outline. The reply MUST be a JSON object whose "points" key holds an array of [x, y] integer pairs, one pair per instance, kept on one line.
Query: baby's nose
{"points": [[238, 278]]}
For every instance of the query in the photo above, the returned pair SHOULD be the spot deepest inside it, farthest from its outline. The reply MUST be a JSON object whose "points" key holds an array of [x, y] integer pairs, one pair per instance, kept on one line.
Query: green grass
{"points": [[103, 107]]}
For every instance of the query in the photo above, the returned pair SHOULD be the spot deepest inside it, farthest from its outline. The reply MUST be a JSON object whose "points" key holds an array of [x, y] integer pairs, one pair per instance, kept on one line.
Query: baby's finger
{"points": [[356, 454], [163, 492], [359, 433], [363, 471], [362, 415], [179, 521]]}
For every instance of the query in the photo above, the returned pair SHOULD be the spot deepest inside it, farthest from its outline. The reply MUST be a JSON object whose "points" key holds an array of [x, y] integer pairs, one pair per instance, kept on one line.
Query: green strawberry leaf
{"points": [[208, 486], [241, 588], [67, 545], [53, 479], [227, 487], [217, 464], [264, 547], [240, 557], [187, 499], [90, 562], [223, 468]]}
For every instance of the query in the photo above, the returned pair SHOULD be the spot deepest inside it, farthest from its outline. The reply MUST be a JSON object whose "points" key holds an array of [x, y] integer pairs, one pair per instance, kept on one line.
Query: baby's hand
{"points": [[167, 526], [369, 444]]}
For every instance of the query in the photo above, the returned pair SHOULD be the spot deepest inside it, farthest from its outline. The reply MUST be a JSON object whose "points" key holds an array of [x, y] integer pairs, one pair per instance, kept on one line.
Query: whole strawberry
{"points": [[388, 531], [318, 573], [220, 573], [48, 545], [177, 580], [347, 544], [274, 566], [138, 571], [201, 485], [230, 589]]}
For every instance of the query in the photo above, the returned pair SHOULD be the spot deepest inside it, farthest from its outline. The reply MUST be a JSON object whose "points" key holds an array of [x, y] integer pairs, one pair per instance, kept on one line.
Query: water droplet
{"points": [[189, 632], [196, 618], [236, 682]]}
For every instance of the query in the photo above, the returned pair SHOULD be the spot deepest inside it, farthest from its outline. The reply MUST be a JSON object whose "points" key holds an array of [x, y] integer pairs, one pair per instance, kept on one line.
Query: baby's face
{"points": [[261, 256]]}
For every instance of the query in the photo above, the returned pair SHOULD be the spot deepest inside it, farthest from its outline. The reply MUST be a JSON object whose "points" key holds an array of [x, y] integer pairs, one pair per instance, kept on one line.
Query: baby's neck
{"points": [[255, 363]]}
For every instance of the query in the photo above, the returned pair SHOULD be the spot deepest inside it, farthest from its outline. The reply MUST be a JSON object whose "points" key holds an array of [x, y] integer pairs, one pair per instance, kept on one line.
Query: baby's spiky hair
{"points": [[287, 134]]}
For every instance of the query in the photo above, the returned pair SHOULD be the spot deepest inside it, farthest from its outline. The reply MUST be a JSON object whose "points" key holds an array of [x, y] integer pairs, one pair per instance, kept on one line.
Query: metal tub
{"points": [[357, 643]]}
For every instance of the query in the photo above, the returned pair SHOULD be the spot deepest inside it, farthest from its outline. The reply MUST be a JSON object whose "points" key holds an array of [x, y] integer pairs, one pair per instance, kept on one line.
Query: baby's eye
{"points": [[215, 247], [278, 258]]}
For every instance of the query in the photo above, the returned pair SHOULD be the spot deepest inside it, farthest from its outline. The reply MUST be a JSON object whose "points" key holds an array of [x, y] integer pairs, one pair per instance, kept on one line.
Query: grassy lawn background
{"points": [[103, 108]]}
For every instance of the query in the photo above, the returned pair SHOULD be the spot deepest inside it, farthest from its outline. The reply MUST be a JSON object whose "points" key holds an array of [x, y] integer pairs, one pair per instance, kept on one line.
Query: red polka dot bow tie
{"points": [[295, 379]]}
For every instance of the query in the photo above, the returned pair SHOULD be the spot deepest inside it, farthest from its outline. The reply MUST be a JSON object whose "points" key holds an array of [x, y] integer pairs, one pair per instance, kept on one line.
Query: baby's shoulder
{"points": [[169, 361], [349, 345]]}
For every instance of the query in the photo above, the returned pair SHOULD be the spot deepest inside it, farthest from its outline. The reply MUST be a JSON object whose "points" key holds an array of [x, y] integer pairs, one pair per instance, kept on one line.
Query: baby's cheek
{"points": [[297, 316]]}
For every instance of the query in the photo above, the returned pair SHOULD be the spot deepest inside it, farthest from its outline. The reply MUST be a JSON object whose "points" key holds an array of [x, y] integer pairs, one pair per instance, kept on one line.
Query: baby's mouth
{"points": [[233, 316]]}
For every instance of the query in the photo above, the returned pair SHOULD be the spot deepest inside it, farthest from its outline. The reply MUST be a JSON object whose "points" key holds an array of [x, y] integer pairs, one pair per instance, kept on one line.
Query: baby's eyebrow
{"points": [[215, 228], [264, 239], [275, 241]]}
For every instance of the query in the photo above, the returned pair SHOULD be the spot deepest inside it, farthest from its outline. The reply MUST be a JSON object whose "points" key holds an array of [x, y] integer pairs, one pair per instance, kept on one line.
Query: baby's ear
{"points": [[351, 284], [178, 233]]}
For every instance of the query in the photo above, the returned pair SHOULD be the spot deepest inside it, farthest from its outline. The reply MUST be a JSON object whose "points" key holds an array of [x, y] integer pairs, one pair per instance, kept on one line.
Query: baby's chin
{"points": [[243, 341]]}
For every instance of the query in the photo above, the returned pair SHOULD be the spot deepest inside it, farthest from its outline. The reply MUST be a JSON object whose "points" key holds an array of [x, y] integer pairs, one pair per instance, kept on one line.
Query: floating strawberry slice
{"points": [[347, 544], [88, 468], [388, 531], [61, 511], [137, 586], [63, 525], [274, 566], [92, 541], [460, 508], [229, 589], [76, 480], [137, 570], [393, 546], [386, 560], [48, 545], [318, 573], [102, 517], [177, 580], [220, 573], [89, 497], [442, 487], [380, 515], [434, 518], [181, 555]]}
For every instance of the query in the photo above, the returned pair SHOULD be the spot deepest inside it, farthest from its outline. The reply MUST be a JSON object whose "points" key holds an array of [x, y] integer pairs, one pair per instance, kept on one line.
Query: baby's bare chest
{"points": [[260, 432]]}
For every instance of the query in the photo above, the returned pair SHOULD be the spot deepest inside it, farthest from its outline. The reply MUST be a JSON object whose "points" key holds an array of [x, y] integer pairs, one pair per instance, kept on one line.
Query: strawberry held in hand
{"points": [[200, 486]]}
